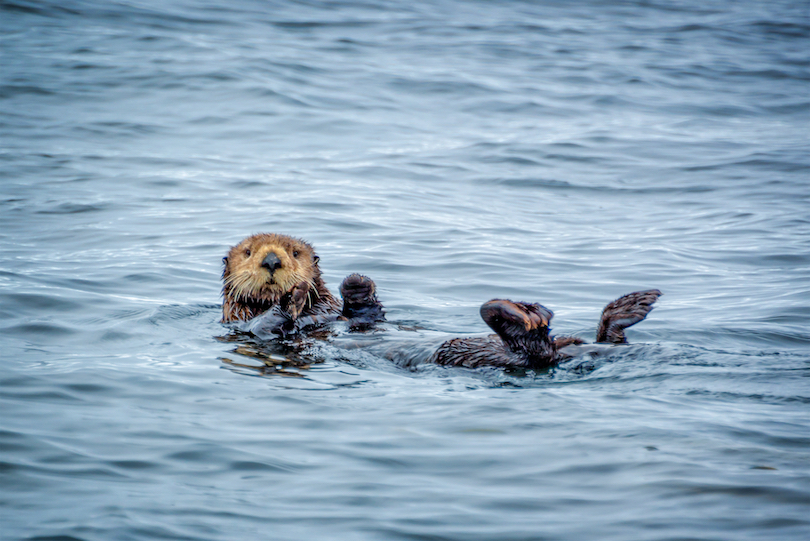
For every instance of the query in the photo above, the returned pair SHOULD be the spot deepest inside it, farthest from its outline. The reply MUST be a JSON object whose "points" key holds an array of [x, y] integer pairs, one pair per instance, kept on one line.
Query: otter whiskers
{"points": [[270, 271]]}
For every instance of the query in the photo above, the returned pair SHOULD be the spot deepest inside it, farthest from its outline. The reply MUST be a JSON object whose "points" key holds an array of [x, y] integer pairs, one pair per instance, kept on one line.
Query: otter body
{"points": [[274, 282], [522, 337], [278, 277]]}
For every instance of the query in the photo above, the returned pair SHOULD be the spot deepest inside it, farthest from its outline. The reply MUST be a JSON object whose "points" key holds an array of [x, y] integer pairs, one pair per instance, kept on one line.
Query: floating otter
{"points": [[275, 280], [523, 340], [279, 275]]}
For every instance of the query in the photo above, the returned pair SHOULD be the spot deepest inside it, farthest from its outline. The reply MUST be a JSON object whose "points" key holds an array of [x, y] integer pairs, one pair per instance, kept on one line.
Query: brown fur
{"points": [[624, 312], [523, 341], [250, 289]]}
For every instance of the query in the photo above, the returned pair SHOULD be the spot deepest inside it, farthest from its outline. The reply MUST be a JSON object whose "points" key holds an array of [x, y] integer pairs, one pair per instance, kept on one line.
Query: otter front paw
{"points": [[297, 300], [360, 304]]}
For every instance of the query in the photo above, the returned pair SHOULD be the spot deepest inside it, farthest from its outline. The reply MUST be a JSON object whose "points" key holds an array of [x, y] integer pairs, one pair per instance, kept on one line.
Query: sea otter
{"points": [[277, 277], [523, 340]]}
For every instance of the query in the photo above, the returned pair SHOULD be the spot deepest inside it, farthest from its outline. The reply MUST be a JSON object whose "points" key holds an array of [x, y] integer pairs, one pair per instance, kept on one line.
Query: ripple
{"points": [[9, 91], [74, 208], [40, 329]]}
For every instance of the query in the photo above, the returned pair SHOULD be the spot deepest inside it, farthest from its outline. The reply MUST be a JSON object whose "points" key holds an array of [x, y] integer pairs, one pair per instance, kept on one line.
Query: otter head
{"points": [[522, 326], [261, 270]]}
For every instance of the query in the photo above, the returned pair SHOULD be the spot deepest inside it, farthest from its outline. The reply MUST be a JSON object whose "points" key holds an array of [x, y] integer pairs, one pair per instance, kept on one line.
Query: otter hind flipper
{"points": [[512, 320], [360, 304], [624, 312]]}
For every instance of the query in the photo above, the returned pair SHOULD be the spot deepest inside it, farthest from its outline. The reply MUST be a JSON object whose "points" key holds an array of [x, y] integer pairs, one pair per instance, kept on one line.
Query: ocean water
{"points": [[556, 152]]}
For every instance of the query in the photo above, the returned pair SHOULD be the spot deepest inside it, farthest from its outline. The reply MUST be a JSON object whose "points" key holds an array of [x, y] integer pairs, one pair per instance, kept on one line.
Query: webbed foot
{"points": [[624, 312]]}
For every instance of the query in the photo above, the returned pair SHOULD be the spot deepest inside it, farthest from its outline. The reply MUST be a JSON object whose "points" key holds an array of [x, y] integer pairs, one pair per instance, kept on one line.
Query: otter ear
{"points": [[225, 271], [315, 259]]}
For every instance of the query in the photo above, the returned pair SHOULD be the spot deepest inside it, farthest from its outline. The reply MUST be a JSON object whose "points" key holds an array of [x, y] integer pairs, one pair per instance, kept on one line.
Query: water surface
{"points": [[554, 152]]}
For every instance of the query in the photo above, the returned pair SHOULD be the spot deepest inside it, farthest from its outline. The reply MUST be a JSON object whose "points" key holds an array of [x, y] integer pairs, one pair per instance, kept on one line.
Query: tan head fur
{"points": [[262, 269]]}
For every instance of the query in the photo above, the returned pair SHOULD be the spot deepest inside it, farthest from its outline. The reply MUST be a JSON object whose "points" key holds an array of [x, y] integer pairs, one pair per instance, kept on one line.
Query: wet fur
{"points": [[522, 337], [297, 288]]}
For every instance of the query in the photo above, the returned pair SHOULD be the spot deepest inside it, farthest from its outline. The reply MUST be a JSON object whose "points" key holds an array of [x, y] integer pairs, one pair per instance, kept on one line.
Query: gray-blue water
{"points": [[554, 152]]}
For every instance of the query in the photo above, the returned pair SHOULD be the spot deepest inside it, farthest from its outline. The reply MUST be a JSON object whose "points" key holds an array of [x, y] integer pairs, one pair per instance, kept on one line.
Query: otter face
{"points": [[263, 268]]}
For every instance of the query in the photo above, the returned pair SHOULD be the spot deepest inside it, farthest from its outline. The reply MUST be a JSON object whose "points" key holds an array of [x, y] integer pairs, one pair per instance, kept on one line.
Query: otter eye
{"points": [[295, 253], [247, 252]]}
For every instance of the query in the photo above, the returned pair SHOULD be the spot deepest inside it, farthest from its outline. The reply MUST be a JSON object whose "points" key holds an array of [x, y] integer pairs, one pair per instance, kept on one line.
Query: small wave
{"points": [[40, 329], [75, 208], [180, 312], [529, 182], [787, 29], [10, 91], [47, 11]]}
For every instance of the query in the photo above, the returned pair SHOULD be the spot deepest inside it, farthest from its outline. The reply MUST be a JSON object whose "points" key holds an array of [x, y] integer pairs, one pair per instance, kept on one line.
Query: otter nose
{"points": [[271, 262]]}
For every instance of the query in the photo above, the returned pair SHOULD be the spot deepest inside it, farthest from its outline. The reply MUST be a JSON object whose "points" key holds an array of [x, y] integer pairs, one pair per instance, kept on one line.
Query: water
{"points": [[555, 152]]}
